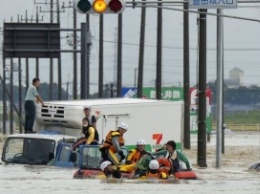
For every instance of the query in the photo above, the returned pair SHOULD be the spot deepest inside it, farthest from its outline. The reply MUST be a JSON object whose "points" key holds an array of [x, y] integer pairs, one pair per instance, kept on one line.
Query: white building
{"points": [[237, 75]]}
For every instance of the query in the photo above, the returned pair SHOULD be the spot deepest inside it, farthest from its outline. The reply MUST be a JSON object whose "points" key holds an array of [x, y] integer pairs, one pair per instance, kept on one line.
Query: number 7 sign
{"points": [[158, 137]]}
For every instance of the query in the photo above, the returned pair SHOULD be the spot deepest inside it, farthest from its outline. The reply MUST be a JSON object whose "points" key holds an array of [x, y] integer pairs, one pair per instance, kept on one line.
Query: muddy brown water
{"points": [[242, 149]]}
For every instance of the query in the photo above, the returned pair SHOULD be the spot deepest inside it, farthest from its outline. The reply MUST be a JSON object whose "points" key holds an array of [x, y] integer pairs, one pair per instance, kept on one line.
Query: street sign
{"points": [[31, 40], [212, 4], [168, 93], [129, 92]]}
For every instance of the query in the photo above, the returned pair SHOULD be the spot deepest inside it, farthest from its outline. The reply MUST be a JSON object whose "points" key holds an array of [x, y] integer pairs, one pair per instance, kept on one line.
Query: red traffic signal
{"points": [[115, 5]]}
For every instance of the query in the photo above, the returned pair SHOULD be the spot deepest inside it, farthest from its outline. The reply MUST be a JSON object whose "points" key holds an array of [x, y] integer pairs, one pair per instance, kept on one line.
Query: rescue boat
{"points": [[98, 174]]}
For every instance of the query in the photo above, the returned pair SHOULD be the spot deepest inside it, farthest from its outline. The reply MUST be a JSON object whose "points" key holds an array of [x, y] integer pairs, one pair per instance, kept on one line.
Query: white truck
{"points": [[155, 121]]}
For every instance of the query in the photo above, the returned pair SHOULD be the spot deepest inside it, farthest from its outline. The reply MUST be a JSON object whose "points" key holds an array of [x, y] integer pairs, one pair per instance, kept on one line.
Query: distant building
{"points": [[236, 78], [237, 74]]}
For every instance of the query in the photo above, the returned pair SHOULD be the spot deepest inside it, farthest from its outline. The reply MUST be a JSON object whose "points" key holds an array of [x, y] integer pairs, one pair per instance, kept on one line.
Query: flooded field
{"points": [[242, 149]]}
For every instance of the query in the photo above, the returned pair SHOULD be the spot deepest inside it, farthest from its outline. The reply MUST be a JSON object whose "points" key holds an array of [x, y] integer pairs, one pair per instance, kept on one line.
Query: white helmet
{"points": [[140, 142], [154, 164], [123, 125], [87, 107], [104, 164]]}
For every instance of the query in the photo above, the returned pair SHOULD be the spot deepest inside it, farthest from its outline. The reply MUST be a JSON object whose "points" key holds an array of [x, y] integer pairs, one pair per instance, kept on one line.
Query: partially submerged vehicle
{"points": [[37, 149], [52, 150], [83, 157], [255, 166], [86, 156]]}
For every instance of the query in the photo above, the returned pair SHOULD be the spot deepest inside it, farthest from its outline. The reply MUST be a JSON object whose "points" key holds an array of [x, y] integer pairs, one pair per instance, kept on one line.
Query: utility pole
{"points": [[119, 56], [186, 76], [20, 90], [51, 60], [59, 59], [202, 89], [75, 68], [220, 73], [37, 21], [85, 40], [37, 59], [51, 11], [88, 55], [26, 59], [4, 96], [20, 96], [74, 45], [11, 95], [141, 52], [101, 53], [159, 53]]}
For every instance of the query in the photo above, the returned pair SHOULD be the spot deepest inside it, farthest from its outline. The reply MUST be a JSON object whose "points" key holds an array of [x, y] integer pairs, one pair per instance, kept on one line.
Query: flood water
{"points": [[230, 178]]}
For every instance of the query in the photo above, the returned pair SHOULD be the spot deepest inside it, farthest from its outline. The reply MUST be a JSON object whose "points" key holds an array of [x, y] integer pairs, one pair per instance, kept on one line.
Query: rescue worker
{"points": [[134, 156], [107, 168], [89, 135], [91, 118], [136, 153], [176, 157], [142, 165], [154, 172], [164, 165], [113, 143]]}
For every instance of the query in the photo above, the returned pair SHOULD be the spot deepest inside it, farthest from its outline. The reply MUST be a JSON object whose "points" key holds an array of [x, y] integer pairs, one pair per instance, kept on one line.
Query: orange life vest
{"points": [[108, 142], [165, 165], [135, 155]]}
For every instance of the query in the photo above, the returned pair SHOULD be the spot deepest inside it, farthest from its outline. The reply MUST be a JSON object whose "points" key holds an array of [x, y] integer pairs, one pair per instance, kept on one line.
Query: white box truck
{"points": [[155, 121]]}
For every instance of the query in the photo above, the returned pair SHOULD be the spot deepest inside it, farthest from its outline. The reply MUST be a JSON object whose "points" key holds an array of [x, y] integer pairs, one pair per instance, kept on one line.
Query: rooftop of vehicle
{"points": [[55, 137], [114, 101]]}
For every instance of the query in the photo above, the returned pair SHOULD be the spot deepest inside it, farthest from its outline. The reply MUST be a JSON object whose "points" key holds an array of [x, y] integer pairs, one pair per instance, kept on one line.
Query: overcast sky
{"points": [[242, 43]]}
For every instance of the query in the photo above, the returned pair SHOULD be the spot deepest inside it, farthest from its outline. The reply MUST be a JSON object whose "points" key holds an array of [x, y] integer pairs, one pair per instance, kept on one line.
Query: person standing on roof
{"points": [[113, 143], [31, 97], [91, 118], [89, 135]]}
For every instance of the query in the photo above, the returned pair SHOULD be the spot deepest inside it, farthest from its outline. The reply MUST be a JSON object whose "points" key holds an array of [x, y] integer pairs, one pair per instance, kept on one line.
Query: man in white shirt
{"points": [[29, 106]]}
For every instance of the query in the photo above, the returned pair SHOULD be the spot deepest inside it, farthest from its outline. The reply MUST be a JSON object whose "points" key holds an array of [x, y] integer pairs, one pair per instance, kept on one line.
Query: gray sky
{"points": [[242, 43]]}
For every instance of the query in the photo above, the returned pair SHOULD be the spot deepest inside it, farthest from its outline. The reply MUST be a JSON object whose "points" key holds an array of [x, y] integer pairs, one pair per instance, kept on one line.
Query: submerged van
{"points": [[33, 148]]}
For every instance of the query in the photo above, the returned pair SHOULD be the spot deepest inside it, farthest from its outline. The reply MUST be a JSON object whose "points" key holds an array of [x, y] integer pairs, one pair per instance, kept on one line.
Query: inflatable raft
{"points": [[98, 174]]}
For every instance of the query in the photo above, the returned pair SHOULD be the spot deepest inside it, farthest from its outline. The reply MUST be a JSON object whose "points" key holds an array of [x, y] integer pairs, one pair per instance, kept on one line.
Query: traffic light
{"points": [[99, 6]]}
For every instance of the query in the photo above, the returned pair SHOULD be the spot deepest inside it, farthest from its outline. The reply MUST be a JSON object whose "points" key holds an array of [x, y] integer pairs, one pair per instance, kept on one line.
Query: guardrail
{"points": [[241, 127]]}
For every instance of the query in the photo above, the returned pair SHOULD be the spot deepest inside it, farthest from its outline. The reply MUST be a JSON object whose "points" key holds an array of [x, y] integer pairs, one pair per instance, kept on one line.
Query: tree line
{"points": [[238, 96]]}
